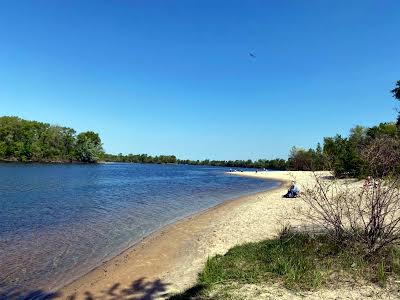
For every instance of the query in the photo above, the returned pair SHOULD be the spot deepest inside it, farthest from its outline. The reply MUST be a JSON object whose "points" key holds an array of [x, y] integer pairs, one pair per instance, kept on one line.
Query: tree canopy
{"points": [[23, 140], [396, 90], [355, 155]]}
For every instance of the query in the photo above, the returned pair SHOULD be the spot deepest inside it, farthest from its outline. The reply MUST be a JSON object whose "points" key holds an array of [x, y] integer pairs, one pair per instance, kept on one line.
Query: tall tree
{"points": [[396, 90], [396, 94], [88, 147]]}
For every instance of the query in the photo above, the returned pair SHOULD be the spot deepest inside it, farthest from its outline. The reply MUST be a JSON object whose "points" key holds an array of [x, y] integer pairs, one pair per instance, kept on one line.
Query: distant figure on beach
{"points": [[370, 183], [293, 191]]}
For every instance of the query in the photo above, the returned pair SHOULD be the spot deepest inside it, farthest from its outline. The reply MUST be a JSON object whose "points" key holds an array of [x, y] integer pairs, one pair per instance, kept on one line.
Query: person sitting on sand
{"points": [[293, 191]]}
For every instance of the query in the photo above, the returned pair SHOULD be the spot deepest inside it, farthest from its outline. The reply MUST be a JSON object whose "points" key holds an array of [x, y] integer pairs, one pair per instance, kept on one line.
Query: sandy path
{"points": [[169, 260]]}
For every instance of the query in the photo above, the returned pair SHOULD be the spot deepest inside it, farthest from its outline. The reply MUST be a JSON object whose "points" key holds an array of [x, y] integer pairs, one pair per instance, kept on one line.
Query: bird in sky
{"points": [[252, 55]]}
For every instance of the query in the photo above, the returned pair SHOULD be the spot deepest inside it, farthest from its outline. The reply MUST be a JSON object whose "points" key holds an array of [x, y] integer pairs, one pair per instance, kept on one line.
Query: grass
{"points": [[298, 262]]}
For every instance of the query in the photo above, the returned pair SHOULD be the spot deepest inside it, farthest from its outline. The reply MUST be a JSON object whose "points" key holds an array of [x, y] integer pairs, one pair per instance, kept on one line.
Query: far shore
{"points": [[170, 259], [65, 161]]}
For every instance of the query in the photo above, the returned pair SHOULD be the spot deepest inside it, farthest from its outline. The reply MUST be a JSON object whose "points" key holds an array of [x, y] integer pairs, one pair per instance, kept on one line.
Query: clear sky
{"points": [[176, 77]]}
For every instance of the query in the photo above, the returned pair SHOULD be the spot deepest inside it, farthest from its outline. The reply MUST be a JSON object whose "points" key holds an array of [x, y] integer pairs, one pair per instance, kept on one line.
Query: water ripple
{"points": [[57, 222]]}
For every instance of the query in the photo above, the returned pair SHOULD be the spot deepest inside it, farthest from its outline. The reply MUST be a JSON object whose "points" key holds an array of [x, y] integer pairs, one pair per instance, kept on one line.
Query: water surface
{"points": [[57, 222]]}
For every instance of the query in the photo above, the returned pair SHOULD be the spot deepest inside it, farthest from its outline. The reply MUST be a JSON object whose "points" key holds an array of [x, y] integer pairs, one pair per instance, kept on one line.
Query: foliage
{"points": [[88, 147], [396, 95], [306, 160], [387, 128], [141, 158], [275, 164], [342, 156], [289, 260], [23, 140], [298, 261], [345, 156], [396, 90]]}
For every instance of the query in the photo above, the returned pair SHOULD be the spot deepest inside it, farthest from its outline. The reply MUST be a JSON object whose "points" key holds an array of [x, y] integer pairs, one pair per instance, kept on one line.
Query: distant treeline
{"points": [[351, 156], [141, 158], [32, 141], [277, 164], [366, 151], [22, 140]]}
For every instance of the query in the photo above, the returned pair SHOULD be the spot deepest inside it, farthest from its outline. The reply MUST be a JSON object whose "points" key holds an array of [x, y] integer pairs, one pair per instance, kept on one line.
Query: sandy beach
{"points": [[169, 260]]}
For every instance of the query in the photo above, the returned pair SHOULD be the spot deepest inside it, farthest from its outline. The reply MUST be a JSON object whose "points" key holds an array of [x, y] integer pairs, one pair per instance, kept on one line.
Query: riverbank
{"points": [[290, 266], [169, 260]]}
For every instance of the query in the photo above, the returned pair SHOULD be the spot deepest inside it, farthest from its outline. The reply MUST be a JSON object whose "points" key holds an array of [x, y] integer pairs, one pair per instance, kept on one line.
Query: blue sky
{"points": [[175, 77]]}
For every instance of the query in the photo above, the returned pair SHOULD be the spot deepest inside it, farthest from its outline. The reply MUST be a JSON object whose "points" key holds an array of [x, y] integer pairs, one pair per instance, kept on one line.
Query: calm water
{"points": [[57, 222]]}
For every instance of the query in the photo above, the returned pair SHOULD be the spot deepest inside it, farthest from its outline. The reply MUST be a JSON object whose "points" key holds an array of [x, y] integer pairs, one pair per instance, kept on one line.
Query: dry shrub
{"points": [[368, 216], [382, 156]]}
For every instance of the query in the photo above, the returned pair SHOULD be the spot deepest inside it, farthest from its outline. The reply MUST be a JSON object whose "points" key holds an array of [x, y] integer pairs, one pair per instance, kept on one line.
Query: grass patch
{"points": [[299, 262]]}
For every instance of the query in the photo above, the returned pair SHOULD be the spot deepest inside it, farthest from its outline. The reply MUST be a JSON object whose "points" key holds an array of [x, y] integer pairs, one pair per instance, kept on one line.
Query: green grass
{"points": [[293, 261], [298, 262]]}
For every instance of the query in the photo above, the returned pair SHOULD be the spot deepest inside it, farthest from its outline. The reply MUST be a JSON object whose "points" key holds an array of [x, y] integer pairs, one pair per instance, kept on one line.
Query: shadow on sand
{"points": [[139, 289], [11, 294], [193, 293]]}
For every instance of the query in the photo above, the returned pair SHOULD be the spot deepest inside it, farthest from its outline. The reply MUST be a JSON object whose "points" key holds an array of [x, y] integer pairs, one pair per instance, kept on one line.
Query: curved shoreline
{"points": [[169, 258]]}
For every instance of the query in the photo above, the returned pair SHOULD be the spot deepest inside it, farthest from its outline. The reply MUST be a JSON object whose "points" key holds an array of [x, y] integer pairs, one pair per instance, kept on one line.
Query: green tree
{"points": [[25, 140], [88, 147], [300, 159], [387, 128], [396, 90], [318, 158], [396, 95], [358, 135], [342, 156]]}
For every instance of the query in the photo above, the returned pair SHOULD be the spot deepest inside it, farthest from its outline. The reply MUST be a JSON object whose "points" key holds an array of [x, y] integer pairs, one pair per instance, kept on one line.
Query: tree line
{"points": [[278, 164], [32, 141], [23, 140], [141, 158], [366, 150]]}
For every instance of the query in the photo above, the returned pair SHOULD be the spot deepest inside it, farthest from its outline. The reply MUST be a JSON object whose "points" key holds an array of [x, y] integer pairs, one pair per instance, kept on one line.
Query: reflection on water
{"points": [[57, 222]]}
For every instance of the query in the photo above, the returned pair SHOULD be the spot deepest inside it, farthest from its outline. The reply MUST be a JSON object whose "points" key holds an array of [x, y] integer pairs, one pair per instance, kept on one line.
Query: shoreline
{"points": [[169, 259]]}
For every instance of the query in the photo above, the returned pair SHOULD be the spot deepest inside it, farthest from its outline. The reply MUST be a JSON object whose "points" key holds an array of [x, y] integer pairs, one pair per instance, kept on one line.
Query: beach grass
{"points": [[297, 262]]}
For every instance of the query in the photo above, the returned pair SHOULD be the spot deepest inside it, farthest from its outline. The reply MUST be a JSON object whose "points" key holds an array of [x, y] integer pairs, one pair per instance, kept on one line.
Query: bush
{"points": [[366, 217], [382, 156], [297, 261]]}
